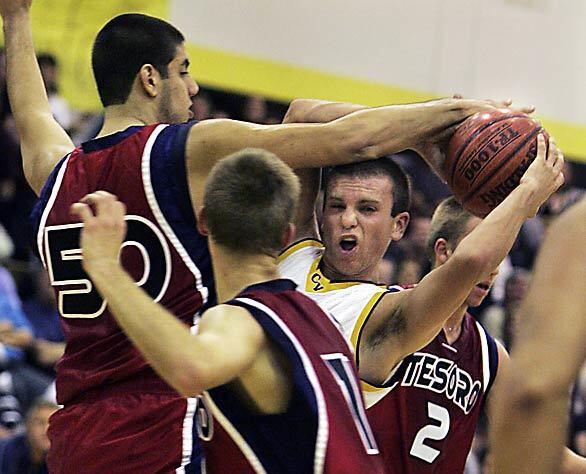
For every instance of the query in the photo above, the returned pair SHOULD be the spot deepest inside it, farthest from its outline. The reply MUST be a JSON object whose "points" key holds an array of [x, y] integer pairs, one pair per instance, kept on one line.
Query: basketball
{"points": [[487, 156]]}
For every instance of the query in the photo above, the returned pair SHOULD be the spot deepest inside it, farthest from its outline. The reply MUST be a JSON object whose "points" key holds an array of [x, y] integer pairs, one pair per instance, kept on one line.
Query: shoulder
{"points": [[304, 247]]}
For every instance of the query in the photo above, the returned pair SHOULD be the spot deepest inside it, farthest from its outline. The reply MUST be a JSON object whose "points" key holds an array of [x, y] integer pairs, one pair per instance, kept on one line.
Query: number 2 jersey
{"points": [[424, 417], [324, 429]]}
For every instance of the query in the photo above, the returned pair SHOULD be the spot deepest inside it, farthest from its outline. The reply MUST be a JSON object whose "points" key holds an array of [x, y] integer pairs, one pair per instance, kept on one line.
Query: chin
{"points": [[474, 301]]}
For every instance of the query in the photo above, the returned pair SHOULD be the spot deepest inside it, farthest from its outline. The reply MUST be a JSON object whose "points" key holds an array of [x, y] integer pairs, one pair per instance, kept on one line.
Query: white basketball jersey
{"points": [[349, 302]]}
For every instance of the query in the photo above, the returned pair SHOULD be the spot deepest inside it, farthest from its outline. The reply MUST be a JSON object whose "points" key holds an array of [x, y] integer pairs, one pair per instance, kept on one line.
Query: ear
{"points": [[288, 235], [202, 226], [442, 251], [149, 78], [401, 221]]}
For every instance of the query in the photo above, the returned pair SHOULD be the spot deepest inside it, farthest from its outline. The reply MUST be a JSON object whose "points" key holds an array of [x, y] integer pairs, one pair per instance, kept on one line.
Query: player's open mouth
{"points": [[347, 244], [483, 286]]}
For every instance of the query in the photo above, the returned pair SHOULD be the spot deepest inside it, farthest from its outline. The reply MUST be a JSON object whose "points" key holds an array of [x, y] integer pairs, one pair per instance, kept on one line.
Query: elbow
{"points": [[187, 380], [530, 394], [296, 111], [473, 261]]}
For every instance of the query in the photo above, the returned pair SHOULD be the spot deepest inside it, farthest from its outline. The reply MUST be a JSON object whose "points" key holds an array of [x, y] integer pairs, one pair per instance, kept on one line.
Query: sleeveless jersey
{"points": [[348, 302], [168, 258], [324, 429], [426, 420], [404, 411]]}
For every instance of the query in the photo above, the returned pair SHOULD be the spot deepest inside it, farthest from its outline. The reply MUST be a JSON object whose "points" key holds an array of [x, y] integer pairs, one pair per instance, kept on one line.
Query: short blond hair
{"points": [[250, 199], [448, 222]]}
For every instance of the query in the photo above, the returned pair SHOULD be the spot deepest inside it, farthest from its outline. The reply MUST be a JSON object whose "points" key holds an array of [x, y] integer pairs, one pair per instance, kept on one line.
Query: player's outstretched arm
{"points": [[318, 111], [407, 321], [42, 140], [229, 338], [531, 405], [312, 111], [361, 135]]}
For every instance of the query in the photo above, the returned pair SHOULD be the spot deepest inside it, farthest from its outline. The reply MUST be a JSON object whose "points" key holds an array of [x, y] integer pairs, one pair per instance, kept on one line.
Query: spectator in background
{"points": [[202, 106], [16, 335], [255, 109], [41, 311], [500, 320], [567, 195], [59, 107], [26, 452], [10, 416]]}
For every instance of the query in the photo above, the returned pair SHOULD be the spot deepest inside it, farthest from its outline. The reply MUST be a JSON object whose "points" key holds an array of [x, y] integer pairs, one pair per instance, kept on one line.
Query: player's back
{"points": [[425, 419], [324, 428], [145, 168]]}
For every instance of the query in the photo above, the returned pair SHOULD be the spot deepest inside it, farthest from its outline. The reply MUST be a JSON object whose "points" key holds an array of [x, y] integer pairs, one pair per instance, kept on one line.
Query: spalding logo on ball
{"points": [[488, 155]]}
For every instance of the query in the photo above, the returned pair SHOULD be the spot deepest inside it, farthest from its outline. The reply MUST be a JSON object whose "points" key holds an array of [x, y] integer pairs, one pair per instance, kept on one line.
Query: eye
{"points": [[368, 209], [337, 206]]}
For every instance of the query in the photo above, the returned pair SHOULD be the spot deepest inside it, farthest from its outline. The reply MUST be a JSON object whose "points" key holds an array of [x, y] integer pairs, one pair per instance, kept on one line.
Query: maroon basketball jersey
{"points": [[426, 421], [324, 428], [168, 258]]}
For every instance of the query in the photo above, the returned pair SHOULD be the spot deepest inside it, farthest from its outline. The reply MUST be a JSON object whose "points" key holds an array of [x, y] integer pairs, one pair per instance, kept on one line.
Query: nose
{"points": [[348, 219], [192, 88]]}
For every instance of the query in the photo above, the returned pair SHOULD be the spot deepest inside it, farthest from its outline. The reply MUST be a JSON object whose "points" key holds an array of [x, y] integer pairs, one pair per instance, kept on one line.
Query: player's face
{"points": [[357, 225], [178, 90]]}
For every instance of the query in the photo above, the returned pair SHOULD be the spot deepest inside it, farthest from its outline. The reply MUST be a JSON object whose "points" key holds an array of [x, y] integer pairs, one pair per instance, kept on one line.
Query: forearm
{"points": [[20, 338], [165, 342], [492, 240], [527, 434], [394, 128], [26, 90]]}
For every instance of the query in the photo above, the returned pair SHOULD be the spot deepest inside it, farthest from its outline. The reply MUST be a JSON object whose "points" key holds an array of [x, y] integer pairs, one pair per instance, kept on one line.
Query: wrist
{"points": [[528, 192], [103, 267]]}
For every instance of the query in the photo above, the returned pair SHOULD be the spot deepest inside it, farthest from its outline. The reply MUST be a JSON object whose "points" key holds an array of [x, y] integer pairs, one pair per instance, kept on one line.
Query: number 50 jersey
{"points": [[168, 258]]}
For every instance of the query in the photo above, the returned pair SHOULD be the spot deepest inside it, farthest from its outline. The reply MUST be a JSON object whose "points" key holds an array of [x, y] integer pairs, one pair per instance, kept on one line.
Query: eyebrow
{"points": [[362, 201]]}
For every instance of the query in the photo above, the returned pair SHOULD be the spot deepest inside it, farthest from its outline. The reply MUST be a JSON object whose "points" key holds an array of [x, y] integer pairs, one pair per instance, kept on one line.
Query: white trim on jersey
{"points": [[323, 424], [156, 210], [187, 447], [236, 436], [48, 207], [485, 357]]}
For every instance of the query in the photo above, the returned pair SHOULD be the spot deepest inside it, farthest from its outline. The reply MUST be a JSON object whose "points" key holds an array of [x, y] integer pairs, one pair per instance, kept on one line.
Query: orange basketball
{"points": [[487, 156]]}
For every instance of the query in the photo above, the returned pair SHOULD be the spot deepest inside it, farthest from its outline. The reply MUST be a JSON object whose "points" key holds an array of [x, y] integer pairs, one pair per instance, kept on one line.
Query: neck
{"points": [[453, 325], [235, 271], [120, 117], [332, 274]]}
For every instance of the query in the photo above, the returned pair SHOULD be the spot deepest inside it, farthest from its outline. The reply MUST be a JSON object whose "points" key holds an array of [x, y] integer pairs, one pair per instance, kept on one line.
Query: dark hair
{"points": [[124, 45], [448, 222], [250, 198], [46, 59], [401, 184]]}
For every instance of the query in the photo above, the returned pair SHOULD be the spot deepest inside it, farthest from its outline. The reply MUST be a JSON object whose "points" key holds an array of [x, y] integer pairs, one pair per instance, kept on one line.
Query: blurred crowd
{"points": [[31, 339]]}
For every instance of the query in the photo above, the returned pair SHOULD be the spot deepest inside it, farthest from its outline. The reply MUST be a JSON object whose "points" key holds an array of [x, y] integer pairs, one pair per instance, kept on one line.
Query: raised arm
{"points": [[407, 321], [571, 463], [228, 341], [360, 135], [549, 351], [42, 140], [312, 111]]}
